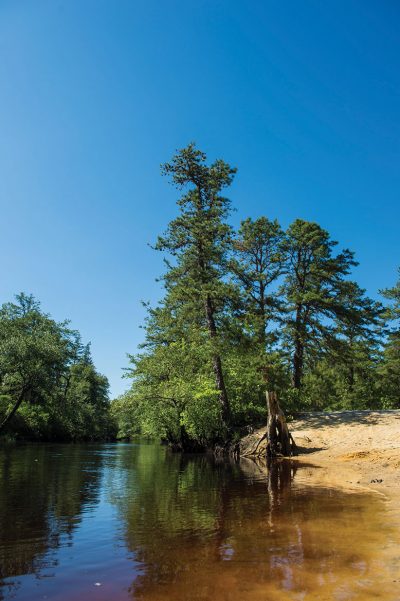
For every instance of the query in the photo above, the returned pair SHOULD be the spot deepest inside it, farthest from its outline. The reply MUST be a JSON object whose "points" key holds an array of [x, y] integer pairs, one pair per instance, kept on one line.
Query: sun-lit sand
{"points": [[358, 448]]}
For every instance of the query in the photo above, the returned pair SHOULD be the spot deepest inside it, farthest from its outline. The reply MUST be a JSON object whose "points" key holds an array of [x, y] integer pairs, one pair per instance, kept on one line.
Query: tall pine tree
{"points": [[314, 292], [198, 240]]}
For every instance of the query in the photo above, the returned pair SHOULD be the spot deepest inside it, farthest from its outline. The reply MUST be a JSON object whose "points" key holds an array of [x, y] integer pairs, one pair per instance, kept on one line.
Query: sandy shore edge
{"points": [[352, 449]]}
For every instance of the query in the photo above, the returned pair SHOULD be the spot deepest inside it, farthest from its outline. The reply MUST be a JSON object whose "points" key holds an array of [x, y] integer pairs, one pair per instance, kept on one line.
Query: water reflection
{"points": [[43, 493], [217, 530], [149, 525]]}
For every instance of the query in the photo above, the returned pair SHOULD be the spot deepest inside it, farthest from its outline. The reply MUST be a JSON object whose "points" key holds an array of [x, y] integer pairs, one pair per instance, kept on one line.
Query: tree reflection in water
{"points": [[43, 491], [204, 530], [152, 525]]}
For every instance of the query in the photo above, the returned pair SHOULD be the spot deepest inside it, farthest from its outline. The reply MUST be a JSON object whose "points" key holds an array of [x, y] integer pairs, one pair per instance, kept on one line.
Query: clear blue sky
{"points": [[302, 96]]}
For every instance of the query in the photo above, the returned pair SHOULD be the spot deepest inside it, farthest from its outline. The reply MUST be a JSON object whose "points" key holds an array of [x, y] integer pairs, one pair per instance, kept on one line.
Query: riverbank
{"points": [[352, 448]]}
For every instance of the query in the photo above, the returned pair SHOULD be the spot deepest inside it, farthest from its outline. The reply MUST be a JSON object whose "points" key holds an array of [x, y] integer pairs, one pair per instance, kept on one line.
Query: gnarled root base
{"points": [[280, 442]]}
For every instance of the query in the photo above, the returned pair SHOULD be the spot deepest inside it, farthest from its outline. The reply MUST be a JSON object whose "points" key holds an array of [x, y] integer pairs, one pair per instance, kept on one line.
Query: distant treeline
{"points": [[49, 387], [250, 310]]}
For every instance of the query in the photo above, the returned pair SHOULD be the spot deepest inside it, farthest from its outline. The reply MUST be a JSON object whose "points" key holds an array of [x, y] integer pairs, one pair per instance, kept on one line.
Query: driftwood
{"points": [[280, 441]]}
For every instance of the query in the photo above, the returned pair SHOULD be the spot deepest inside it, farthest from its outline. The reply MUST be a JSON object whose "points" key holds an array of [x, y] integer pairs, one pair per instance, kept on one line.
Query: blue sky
{"points": [[303, 97]]}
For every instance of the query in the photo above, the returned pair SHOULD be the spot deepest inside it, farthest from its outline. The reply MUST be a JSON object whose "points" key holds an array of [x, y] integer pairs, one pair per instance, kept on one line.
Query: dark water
{"points": [[123, 522]]}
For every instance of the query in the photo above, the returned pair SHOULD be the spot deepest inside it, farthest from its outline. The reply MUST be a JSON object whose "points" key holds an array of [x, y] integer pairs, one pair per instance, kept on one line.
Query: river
{"points": [[118, 522]]}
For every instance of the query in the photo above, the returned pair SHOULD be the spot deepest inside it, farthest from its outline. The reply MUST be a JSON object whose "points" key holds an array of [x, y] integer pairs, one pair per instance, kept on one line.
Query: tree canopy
{"points": [[245, 311], [49, 387]]}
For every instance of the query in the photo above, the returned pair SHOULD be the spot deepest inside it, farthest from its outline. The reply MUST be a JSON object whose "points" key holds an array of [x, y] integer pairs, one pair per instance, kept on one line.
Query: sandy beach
{"points": [[352, 448]]}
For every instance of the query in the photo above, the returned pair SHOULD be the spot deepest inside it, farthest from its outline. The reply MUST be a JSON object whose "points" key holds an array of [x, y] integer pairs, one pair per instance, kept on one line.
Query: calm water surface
{"points": [[124, 522]]}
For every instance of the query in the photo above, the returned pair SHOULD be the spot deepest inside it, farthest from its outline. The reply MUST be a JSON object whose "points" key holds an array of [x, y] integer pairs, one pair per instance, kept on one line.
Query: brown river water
{"points": [[133, 521]]}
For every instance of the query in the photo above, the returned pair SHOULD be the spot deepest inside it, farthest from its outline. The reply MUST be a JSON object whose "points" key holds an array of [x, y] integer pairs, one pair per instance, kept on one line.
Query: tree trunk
{"points": [[280, 441], [217, 365], [13, 410], [298, 357], [262, 336], [298, 361]]}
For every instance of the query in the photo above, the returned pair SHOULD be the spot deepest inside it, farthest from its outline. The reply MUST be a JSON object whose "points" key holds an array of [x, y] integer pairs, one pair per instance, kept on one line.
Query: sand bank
{"points": [[353, 448]]}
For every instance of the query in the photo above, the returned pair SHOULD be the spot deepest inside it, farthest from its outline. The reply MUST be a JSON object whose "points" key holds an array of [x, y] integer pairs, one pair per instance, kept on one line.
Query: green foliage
{"points": [[199, 241], [174, 389], [318, 299], [249, 311], [49, 388], [124, 414], [390, 367], [257, 264]]}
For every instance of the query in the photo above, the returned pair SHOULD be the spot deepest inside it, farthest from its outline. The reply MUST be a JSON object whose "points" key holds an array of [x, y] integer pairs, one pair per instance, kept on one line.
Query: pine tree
{"points": [[315, 292], [390, 368], [258, 265], [357, 335], [199, 240]]}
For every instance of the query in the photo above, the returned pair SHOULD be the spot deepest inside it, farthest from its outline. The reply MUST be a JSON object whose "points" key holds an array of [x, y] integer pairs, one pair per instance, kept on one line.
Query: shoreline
{"points": [[353, 449]]}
